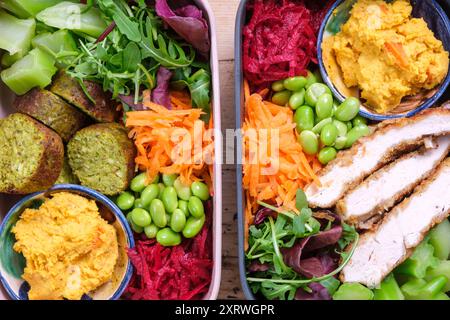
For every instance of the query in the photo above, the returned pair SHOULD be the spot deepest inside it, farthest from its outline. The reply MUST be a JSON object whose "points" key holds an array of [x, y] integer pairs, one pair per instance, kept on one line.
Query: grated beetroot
{"points": [[280, 38], [172, 273]]}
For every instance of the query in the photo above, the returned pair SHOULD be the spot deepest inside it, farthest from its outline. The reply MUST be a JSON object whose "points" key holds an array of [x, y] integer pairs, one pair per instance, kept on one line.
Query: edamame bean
{"points": [[125, 201], [167, 238], [170, 199], [348, 109], [309, 142], [178, 220], [335, 106], [158, 213], [304, 118], [150, 192], [341, 127], [183, 191], [329, 134], [324, 106], [295, 83], [310, 79], [297, 99], [139, 182], [193, 226], [278, 86], [340, 143], [138, 203], [359, 120], [318, 127], [326, 155], [314, 92], [281, 98], [151, 231], [133, 226], [200, 190], [195, 207], [183, 206], [169, 179], [356, 133], [141, 217], [161, 187]]}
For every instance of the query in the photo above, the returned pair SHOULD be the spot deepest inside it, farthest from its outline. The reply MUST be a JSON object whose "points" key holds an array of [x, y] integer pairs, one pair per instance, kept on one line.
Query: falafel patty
{"points": [[68, 88], [52, 111], [102, 157], [32, 155]]}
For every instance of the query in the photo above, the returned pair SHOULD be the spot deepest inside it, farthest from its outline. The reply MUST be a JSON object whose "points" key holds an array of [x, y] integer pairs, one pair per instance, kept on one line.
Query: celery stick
{"points": [[419, 289], [60, 45], [353, 291], [8, 60], [67, 15], [419, 262], [441, 296], [389, 290], [440, 240], [16, 34], [36, 69], [441, 269]]}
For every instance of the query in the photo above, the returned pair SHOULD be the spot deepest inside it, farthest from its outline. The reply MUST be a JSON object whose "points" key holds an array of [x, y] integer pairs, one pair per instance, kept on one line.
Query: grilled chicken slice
{"points": [[390, 139], [380, 251], [384, 188]]}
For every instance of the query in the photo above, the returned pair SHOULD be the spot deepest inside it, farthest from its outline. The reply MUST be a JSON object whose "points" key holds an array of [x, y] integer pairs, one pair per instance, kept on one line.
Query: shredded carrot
{"points": [[274, 164], [167, 141]]}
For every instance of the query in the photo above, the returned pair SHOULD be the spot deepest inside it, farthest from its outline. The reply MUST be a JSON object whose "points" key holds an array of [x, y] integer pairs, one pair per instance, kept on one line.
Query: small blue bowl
{"points": [[12, 264], [437, 21]]}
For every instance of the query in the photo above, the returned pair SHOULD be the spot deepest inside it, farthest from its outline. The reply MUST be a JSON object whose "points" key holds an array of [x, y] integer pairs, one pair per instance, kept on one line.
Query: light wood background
{"points": [[225, 14]]}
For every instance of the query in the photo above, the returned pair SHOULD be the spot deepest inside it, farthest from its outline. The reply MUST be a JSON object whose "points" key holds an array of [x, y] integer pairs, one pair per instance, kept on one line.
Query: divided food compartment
{"points": [[241, 20], [7, 201]]}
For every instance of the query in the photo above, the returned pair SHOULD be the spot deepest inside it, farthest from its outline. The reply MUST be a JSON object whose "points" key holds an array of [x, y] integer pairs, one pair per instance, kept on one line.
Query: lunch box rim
{"points": [[217, 178], [239, 105]]}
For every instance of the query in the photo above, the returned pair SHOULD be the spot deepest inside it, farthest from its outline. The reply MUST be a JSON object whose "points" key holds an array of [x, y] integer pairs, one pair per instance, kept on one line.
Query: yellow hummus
{"points": [[69, 249], [385, 53]]}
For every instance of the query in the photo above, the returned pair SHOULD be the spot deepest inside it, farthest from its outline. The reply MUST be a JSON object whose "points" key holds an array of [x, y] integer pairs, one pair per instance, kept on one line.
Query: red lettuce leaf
{"points": [[319, 292], [160, 95], [262, 214], [188, 23]]}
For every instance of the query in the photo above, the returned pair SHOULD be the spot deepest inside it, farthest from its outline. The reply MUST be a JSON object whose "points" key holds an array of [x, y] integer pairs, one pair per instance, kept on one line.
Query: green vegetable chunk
{"points": [[419, 262], [170, 199], [314, 92], [329, 134], [278, 86], [193, 226], [139, 182], [169, 179], [195, 207], [326, 155], [16, 34], [442, 268], [440, 240], [324, 106], [356, 133], [353, 291], [200, 190], [72, 16], [27, 8], [149, 193], [297, 99], [36, 69], [389, 290], [348, 109], [419, 289], [151, 231], [183, 191], [295, 83], [141, 217], [178, 220], [61, 45]]}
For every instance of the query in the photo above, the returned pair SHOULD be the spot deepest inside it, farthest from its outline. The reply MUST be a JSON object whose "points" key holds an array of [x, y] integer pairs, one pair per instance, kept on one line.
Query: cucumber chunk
{"points": [[27, 8], [61, 45], [16, 34], [36, 69], [440, 240]]}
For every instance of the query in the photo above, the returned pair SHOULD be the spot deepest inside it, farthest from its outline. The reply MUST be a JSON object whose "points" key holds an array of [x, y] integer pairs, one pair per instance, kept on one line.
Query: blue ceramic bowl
{"points": [[437, 21], [12, 264]]}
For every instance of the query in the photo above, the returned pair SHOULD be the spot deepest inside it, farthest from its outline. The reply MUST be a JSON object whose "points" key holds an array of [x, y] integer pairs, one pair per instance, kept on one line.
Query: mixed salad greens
{"points": [[126, 47]]}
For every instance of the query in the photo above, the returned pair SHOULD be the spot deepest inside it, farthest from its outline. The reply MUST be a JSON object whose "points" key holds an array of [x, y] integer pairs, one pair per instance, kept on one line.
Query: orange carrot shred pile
{"points": [[272, 174], [167, 141]]}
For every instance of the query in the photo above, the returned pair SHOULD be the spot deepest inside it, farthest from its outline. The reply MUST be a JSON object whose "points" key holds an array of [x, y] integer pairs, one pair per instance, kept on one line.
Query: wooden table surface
{"points": [[225, 13]]}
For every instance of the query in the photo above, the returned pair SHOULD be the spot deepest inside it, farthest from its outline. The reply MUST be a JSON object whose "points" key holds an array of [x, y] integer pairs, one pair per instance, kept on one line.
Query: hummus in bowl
{"points": [[393, 56], [66, 243]]}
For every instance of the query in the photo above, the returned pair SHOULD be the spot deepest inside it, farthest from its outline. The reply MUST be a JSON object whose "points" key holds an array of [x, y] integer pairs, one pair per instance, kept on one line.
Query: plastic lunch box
{"points": [[7, 201], [239, 105]]}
